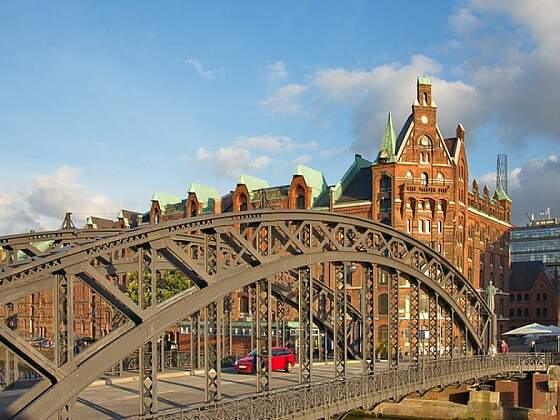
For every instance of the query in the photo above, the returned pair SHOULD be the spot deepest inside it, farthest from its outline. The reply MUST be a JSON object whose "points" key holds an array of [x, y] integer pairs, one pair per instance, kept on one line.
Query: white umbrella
{"points": [[531, 329]]}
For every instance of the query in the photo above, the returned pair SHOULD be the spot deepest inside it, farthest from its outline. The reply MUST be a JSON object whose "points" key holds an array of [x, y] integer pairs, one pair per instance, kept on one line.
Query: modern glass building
{"points": [[538, 241]]}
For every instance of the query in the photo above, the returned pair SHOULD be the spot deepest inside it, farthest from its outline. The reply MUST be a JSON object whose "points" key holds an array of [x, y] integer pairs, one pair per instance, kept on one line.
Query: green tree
{"points": [[169, 284]]}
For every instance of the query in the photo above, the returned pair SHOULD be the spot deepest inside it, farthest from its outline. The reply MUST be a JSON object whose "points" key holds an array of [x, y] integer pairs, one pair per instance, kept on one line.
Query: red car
{"points": [[282, 359]]}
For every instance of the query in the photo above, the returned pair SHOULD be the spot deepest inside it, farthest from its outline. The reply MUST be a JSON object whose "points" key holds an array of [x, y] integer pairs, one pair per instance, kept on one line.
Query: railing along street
{"points": [[334, 397]]}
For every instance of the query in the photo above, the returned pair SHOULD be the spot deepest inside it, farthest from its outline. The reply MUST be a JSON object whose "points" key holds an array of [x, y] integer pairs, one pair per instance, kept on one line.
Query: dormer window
{"points": [[193, 210]]}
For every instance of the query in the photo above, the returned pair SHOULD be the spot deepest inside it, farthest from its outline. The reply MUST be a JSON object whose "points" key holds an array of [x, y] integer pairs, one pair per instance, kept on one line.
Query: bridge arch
{"points": [[223, 253]]}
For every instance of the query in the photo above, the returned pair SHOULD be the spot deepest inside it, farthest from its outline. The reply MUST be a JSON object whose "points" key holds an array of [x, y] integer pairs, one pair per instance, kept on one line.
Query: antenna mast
{"points": [[501, 172]]}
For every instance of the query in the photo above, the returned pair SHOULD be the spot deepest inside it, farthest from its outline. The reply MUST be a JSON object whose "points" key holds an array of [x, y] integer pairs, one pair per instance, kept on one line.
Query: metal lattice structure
{"points": [[221, 254]]}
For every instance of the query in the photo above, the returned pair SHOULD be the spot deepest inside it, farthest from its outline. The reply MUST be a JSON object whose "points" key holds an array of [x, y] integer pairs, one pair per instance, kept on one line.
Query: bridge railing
{"points": [[331, 397]]}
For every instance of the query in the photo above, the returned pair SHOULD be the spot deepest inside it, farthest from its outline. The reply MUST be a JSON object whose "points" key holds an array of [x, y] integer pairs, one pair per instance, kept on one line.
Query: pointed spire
{"points": [[388, 143]]}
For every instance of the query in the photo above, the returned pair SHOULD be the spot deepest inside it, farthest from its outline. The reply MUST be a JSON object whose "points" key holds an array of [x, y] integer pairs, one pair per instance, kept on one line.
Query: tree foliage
{"points": [[169, 283]]}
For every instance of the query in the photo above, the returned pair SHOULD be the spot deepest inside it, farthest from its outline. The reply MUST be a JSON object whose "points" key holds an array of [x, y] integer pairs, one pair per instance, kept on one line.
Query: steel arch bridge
{"points": [[224, 253]]}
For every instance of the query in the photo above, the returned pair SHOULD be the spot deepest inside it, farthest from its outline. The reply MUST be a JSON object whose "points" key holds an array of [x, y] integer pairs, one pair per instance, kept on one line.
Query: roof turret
{"points": [[388, 143]]}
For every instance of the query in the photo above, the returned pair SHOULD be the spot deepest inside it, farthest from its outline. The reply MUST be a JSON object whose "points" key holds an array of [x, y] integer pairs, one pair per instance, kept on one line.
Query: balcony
{"points": [[418, 187]]}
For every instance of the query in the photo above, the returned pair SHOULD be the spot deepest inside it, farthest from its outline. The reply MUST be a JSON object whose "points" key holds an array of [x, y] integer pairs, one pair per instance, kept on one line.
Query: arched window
{"points": [[409, 176], [193, 209], [385, 184], [538, 297], [243, 202], [156, 217], [440, 178], [420, 226], [424, 178], [300, 197], [425, 99], [544, 297], [440, 226], [383, 304]]}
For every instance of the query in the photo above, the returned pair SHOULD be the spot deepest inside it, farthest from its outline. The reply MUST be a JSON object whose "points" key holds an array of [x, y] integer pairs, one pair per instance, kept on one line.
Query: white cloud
{"points": [[274, 144], [285, 100], [43, 204], [277, 71], [201, 71], [391, 88], [532, 187], [254, 153]]}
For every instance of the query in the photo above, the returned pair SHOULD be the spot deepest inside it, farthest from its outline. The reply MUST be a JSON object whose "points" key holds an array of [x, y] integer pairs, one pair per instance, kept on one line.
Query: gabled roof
{"points": [[252, 183], [314, 179], [388, 144], [99, 222], [205, 195], [355, 184], [502, 195], [524, 274], [165, 200]]}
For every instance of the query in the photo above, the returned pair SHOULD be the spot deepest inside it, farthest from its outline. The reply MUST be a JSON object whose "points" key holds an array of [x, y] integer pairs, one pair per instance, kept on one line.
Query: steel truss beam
{"points": [[414, 321], [368, 307], [433, 325], [195, 340], [212, 362], [264, 335], [393, 347], [305, 287], [227, 333], [340, 326]]}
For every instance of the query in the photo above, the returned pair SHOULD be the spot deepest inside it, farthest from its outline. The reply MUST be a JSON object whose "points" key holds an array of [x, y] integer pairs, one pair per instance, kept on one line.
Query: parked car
{"points": [[282, 359]]}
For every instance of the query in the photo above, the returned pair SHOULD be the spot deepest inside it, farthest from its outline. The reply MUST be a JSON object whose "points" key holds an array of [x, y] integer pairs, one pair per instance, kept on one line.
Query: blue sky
{"points": [[103, 103]]}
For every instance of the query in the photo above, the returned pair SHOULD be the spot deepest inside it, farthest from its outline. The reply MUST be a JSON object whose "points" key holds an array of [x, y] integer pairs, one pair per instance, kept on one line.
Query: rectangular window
{"points": [[409, 226], [427, 225], [440, 226], [420, 226]]}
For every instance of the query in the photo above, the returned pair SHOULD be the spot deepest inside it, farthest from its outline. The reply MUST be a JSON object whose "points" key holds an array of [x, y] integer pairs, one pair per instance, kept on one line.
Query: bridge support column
{"points": [[414, 321], [305, 325], [148, 364], [340, 327], [368, 319], [393, 349], [449, 342], [227, 339], [64, 320], [195, 340], [264, 335], [11, 370], [433, 325], [212, 362], [280, 322]]}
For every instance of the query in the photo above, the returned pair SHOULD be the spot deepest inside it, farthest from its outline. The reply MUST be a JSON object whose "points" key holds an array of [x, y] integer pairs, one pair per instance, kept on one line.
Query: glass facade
{"points": [[540, 241]]}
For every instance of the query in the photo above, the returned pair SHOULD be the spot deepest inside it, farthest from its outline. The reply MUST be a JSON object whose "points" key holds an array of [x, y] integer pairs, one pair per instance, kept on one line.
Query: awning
{"points": [[534, 329]]}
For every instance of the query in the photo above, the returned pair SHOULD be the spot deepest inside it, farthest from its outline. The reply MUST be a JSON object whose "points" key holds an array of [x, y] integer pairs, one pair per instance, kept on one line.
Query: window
{"points": [[538, 312], [383, 304], [526, 297], [519, 298], [242, 202], [300, 198], [424, 178], [427, 226], [385, 204], [384, 277], [420, 226], [526, 312], [544, 297], [409, 176], [193, 209], [424, 158], [511, 298], [440, 226], [511, 313], [538, 297], [519, 313], [385, 184], [440, 178], [409, 225], [544, 313]]}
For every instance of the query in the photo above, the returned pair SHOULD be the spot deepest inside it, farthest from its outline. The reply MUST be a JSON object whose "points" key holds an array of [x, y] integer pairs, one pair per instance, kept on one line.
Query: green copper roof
{"points": [[205, 195], [388, 143], [314, 179], [165, 199], [252, 183], [424, 80], [502, 195], [358, 164]]}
